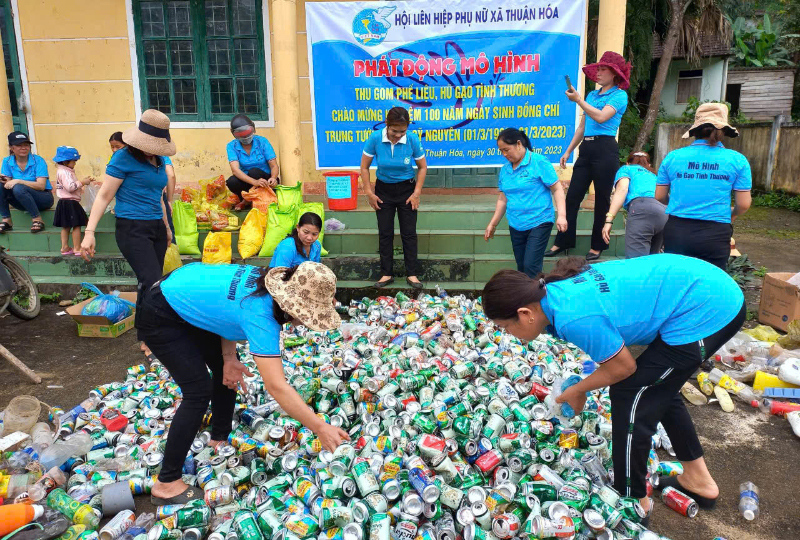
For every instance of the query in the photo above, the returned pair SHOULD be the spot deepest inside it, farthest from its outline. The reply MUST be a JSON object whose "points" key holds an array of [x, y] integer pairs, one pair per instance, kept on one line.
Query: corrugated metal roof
{"points": [[711, 46]]}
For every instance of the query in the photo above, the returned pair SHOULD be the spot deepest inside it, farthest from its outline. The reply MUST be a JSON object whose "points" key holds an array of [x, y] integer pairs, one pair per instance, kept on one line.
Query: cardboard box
{"points": [[780, 301], [95, 326]]}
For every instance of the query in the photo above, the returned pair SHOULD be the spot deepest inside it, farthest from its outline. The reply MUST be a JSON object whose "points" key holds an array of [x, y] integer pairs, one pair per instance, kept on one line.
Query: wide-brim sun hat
{"points": [[307, 296], [714, 114], [616, 63], [151, 135]]}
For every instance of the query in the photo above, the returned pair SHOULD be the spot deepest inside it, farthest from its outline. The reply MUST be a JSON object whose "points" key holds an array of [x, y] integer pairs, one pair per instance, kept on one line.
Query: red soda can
{"points": [[540, 391], [361, 443], [395, 372], [411, 398], [505, 526], [431, 444], [680, 502], [489, 460]]}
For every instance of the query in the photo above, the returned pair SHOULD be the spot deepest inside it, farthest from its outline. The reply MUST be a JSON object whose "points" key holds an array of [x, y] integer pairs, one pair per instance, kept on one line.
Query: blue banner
{"points": [[465, 71]]}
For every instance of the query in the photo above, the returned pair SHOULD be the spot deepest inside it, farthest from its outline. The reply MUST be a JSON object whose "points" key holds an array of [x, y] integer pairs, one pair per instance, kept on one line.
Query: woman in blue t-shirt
{"points": [[252, 159], [598, 159], [635, 190], [397, 190], [25, 183], [683, 309], [300, 246], [525, 185], [192, 320], [696, 182], [137, 177]]}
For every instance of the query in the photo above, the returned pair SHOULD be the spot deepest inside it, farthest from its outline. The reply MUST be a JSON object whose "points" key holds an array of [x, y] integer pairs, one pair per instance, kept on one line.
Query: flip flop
{"points": [[5, 227], [151, 357], [190, 494], [705, 503]]}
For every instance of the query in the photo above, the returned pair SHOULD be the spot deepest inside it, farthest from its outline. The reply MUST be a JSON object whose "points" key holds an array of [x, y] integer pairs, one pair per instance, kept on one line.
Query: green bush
{"points": [[778, 199]]}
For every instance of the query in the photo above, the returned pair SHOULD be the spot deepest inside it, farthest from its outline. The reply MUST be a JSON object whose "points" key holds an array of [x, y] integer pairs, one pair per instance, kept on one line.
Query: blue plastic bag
{"points": [[110, 306]]}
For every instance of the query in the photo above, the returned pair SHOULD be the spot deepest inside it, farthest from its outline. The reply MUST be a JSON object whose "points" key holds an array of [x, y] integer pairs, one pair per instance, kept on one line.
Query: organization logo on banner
{"points": [[370, 26]]}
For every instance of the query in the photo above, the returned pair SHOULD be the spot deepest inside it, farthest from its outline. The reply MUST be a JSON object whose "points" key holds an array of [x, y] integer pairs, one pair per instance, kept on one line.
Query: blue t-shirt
{"points": [[630, 302], [215, 298], [286, 254], [700, 179], [167, 161], [527, 189], [642, 183], [35, 168], [616, 98], [261, 152], [395, 162], [139, 194]]}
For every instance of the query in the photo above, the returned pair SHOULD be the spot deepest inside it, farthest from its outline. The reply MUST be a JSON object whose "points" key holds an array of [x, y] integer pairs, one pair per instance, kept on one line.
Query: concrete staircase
{"points": [[452, 250]]}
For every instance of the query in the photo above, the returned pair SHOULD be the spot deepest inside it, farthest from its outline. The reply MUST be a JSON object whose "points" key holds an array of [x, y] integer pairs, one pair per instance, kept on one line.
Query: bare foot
{"points": [[647, 503], [413, 279], [165, 490]]}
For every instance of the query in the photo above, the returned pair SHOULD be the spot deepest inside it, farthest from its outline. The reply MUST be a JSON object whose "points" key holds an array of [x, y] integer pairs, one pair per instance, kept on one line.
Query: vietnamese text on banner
{"points": [[465, 70]]}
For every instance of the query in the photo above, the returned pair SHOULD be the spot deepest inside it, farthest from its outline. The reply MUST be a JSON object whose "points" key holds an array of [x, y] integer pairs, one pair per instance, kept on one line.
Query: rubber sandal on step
{"points": [[5, 227], [190, 494], [37, 226], [705, 503]]}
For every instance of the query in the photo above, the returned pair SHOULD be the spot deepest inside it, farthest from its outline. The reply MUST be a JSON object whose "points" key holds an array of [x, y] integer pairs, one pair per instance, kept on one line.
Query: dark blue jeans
{"points": [[529, 247], [25, 198]]}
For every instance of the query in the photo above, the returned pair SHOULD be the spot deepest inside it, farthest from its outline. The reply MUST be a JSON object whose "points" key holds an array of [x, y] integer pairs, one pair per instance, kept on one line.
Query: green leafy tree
{"points": [[760, 44]]}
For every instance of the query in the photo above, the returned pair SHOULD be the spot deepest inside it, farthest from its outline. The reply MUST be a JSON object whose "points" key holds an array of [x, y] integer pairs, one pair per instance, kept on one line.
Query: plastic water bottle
{"points": [[57, 454], [748, 500]]}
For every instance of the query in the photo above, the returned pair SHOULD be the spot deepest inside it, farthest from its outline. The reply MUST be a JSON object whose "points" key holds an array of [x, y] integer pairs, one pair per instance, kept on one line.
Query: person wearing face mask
{"points": [[300, 246], [682, 308], [252, 159], [397, 190]]}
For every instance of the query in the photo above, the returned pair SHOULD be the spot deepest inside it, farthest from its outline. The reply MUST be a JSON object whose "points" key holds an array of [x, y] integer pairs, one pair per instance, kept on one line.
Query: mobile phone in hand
{"points": [[569, 83]]}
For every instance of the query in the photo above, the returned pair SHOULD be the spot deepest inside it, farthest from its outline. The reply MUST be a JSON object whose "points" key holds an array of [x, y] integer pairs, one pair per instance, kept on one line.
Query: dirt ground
{"points": [[739, 446]]}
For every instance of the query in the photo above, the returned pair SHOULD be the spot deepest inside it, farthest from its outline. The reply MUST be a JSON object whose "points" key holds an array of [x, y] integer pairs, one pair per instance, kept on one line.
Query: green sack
{"points": [[185, 222], [319, 209], [279, 225], [289, 196]]}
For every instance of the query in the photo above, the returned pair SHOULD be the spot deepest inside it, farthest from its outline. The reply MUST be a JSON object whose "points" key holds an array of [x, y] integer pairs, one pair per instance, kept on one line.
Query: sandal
{"points": [[67, 251], [5, 227], [189, 494], [705, 503], [37, 226]]}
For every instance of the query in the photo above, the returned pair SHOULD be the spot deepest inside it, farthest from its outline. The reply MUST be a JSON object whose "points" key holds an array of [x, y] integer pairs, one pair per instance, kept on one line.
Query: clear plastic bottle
{"points": [[748, 500], [142, 524], [42, 435], [76, 445], [740, 390], [48, 482]]}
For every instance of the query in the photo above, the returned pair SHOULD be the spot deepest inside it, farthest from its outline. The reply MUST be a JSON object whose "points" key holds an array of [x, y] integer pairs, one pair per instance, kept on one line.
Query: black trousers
{"points": [[598, 162], [143, 243], [188, 353], [706, 240], [394, 197], [236, 186], [652, 395]]}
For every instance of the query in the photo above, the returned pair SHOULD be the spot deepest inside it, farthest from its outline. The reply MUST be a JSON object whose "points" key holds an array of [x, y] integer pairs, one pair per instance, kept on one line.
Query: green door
{"points": [[12, 65], [462, 178]]}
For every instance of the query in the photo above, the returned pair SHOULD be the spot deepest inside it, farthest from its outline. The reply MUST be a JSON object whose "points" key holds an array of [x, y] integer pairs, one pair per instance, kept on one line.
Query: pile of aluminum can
{"points": [[454, 435]]}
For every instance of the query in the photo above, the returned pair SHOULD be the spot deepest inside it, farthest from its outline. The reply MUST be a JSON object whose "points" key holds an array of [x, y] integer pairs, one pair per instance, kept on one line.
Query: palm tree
{"points": [[689, 20]]}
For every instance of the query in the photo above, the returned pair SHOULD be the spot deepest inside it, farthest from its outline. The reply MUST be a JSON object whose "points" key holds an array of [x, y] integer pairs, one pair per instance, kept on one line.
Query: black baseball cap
{"points": [[18, 137]]}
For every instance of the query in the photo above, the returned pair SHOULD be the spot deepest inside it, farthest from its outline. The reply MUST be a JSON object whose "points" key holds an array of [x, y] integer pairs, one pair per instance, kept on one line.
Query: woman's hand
{"points": [[561, 224], [169, 234], [576, 400], [607, 233], [272, 182], [87, 246], [233, 373], [573, 95], [331, 437], [413, 200], [374, 200], [563, 160], [489, 232], [261, 182], [10, 184]]}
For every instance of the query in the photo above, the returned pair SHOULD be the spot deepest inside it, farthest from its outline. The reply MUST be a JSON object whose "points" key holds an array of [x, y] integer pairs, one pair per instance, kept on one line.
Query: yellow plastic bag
{"points": [[217, 248], [252, 234], [172, 259], [763, 333]]}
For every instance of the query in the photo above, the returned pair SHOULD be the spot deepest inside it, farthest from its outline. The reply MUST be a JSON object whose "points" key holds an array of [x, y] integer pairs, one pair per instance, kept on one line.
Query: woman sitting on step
{"points": [[26, 183]]}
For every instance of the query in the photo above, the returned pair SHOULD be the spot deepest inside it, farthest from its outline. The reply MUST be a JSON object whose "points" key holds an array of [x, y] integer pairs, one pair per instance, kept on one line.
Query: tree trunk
{"points": [[677, 8]]}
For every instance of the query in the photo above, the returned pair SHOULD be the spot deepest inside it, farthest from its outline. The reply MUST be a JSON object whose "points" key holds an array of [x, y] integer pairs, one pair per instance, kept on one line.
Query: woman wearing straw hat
{"points": [[695, 182], [192, 318], [136, 176], [598, 160]]}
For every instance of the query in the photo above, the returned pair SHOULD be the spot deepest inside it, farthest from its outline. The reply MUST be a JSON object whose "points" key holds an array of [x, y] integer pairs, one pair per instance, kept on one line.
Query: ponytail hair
{"points": [[513, 136], [708, 132], [641, 159], [309, 218], [510, 290]]}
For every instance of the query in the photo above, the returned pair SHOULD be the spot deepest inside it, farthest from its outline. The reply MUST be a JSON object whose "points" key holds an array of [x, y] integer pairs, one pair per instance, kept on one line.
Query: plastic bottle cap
{"points": [[38, 511], [749, 515]]}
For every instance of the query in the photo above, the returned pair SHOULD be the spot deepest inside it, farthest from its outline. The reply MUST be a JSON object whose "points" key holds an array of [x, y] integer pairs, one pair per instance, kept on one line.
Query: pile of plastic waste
{"points": [[454, 434]]}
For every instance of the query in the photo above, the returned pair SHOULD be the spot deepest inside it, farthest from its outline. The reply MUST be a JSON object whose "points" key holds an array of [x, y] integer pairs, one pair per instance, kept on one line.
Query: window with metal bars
{"points": [[201, 60]]}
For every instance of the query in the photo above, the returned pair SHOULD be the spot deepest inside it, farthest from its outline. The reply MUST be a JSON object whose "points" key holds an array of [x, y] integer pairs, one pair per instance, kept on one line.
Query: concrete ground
{"points": [[739, 446]]}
